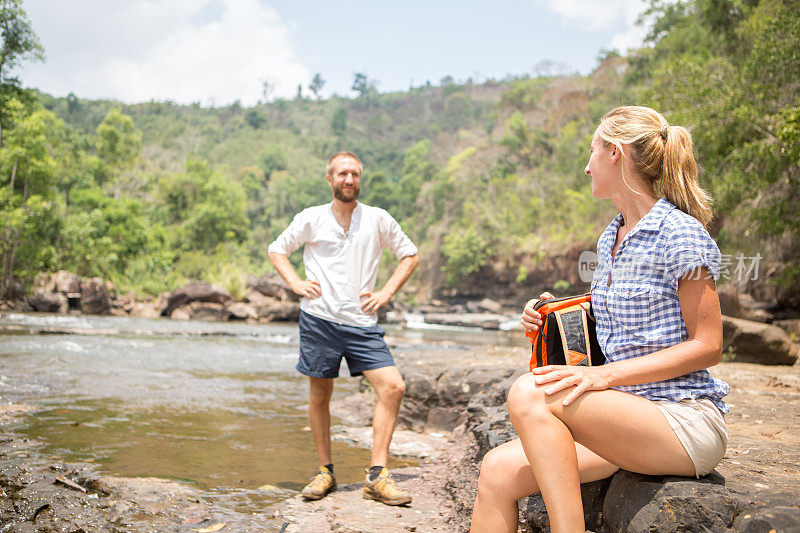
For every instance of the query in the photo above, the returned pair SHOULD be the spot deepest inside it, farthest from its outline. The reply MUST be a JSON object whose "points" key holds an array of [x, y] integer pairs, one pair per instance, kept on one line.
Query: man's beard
{"points": [[346, 195]]}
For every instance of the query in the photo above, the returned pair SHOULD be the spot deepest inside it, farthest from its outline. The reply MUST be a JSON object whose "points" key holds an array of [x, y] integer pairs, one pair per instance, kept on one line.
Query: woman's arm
{"points": [[697, 294], [701, 313]]}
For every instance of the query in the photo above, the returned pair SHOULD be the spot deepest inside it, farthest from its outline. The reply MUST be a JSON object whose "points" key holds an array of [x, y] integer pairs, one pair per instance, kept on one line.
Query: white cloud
{"points": [[617, 17], [211, 51]]}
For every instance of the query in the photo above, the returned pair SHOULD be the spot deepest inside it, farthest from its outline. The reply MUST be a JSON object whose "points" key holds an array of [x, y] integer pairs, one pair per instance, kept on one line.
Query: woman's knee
{"points": [[494, 477], [525, 397]]}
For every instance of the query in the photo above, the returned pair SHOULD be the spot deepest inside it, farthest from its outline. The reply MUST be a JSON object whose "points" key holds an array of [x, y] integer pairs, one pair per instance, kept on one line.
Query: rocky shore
{"points": [[453, 414]]}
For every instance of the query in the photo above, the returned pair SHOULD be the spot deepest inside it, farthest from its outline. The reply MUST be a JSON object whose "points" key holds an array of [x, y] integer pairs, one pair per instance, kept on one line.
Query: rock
{"points": [[475, 320], [145, 310], [16, 290], [754, 342], [490, 306], [195, 292], [278, 310], [182, 313], [729, 300], [209, 311], [592, 495], [737, 305], [790, 326], [257, 299], [48, 302], [94, 297], [272, 285], [242, 311]]}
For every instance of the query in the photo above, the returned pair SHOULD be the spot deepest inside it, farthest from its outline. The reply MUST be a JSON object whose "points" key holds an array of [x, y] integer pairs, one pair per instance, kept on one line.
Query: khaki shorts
{"points": [[701, 429]]}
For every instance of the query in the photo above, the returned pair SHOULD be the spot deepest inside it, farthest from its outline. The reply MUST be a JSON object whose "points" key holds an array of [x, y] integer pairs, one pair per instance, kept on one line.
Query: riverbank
{"points": [[452, 415]]}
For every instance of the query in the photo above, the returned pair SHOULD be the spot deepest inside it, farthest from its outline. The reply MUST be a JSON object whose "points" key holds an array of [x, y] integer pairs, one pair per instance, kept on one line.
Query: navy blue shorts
{"points": [[323, 344]]}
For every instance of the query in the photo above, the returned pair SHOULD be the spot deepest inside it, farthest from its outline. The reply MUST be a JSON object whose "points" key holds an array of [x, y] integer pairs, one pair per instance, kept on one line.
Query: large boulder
{"points": [[242, 311], [195, 292], [635, 502], [94, 297], [272, 285], [754, 342], [740, 305], [273, 309], [144, 310], [48, 302]]}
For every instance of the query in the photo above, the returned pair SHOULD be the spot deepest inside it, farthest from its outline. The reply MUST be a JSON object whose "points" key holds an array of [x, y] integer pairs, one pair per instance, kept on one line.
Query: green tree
{"points": [[317, 82], [28, 178], [119, 143], [465, 252], [20, 43], [339, 121]]}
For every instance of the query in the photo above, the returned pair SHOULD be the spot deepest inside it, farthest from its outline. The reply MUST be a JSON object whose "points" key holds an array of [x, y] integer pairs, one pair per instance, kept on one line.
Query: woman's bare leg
{"points": [[624, 429], [506, 477]]}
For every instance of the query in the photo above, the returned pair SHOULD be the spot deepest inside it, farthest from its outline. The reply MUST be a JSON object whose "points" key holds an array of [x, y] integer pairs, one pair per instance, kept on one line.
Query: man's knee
{"points": [[526, 398], [392, 390]]}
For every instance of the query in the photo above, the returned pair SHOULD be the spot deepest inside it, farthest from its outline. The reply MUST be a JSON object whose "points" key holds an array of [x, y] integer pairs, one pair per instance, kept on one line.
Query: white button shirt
{"points": [[344, 263]]}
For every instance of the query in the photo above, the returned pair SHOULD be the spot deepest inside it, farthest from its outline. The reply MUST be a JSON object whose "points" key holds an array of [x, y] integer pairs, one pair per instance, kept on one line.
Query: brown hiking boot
{"points": [[384, 490], [321, 484]]}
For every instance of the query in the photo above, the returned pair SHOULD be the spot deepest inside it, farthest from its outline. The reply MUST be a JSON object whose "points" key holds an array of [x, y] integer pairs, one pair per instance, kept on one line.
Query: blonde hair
{"points": [[661, 153], [337, 155]]}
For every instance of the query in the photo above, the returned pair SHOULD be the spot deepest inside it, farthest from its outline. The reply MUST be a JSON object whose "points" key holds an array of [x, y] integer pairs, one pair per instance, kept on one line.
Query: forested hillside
{"points": [[486, 177]]}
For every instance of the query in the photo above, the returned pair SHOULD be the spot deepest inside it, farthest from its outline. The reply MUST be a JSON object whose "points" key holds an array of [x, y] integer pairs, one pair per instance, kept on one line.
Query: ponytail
{"points": [[662, 154], [678, 181]]}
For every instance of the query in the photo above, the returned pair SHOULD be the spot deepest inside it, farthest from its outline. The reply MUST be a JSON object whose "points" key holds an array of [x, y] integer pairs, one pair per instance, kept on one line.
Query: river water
{"points": [[216, 405]]}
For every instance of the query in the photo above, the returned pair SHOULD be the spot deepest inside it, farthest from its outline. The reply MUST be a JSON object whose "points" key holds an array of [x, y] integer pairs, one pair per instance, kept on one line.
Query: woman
{"points": [[652, 408]]}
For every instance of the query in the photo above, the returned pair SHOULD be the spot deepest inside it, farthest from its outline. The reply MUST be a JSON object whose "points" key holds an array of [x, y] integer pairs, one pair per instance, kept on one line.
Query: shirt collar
{"points": [[650, 222]]}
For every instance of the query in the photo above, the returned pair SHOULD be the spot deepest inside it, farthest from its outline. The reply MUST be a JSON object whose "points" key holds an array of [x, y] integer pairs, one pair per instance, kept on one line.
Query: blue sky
{"points": [[215, 51]]}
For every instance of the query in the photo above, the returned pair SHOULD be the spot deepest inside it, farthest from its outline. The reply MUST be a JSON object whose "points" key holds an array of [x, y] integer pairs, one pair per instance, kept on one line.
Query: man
{"points": [[343, 244]]}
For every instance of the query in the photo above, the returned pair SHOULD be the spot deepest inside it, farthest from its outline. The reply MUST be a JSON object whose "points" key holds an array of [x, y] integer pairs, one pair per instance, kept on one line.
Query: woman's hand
{"points": [[559, 377], [531, 320]]}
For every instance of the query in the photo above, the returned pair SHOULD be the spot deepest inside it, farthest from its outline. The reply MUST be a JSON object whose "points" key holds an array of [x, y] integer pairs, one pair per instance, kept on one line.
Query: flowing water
{"points": [[217, 405]]}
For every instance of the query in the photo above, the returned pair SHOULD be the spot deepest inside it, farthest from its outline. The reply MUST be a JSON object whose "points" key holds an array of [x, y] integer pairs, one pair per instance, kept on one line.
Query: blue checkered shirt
{"points": [[635, 298]]}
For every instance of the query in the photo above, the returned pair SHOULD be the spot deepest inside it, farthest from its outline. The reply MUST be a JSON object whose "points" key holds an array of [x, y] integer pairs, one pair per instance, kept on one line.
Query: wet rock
{"points": [[474, 320], [272, 285], [94, 297], [195, 292], [754, 342], [48, 302]]}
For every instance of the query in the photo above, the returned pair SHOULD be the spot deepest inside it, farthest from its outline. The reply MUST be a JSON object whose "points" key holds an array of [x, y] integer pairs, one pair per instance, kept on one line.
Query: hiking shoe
{"points": [[321, 484], [384, 490]]}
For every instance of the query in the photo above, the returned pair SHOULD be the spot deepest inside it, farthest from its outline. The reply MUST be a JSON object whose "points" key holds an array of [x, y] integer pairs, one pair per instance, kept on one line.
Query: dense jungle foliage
{"points": [[486, 177]]}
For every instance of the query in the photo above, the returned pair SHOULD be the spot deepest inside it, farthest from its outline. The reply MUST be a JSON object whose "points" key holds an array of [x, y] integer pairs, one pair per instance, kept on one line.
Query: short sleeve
{"points": [[293, 237], [392, 237], [690, 247]]}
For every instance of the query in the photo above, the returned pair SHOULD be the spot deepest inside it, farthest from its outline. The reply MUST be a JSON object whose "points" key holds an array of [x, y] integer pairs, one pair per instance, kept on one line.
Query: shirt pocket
{"points": [[630, 311]]}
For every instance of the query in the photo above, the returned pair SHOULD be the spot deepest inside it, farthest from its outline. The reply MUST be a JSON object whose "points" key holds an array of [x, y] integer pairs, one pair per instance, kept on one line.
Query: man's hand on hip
{"points": [[308, 288], [372, 301]]}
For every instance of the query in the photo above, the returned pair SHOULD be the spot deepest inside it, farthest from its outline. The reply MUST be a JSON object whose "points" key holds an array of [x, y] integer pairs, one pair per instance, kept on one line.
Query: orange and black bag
{"points": [[567, 335]]}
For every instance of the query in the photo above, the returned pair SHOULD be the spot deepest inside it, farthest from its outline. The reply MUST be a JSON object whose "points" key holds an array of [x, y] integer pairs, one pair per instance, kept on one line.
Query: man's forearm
{"points": [[284, 268], [401, 274]]}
